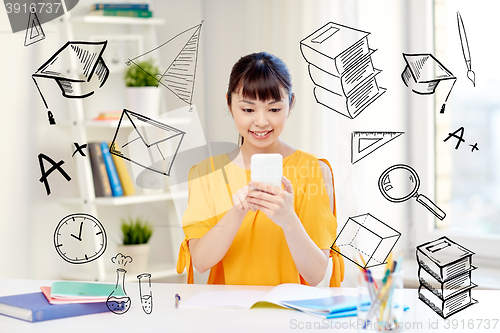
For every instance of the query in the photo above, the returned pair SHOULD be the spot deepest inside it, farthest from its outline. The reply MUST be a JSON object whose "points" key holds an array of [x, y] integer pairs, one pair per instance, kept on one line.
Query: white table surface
{"points": [[166, 318]]}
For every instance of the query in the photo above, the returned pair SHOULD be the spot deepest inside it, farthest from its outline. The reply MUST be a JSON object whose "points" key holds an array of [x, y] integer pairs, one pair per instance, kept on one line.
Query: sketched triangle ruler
{"points": [[180, 75], [365, 143], [34, 31]]}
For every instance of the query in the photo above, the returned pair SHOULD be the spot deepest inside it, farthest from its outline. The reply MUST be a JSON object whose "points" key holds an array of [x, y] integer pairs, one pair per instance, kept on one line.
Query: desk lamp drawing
{"points": [[400, 183], [91, 70], [179, 77], [423, 73]]}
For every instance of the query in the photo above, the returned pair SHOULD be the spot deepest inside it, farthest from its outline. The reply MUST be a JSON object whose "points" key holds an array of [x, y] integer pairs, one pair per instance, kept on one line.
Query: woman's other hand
{"points": [[240, 199]]}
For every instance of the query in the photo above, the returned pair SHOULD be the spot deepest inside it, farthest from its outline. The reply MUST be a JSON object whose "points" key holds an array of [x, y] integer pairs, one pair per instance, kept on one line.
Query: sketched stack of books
{"points": [[445, 276], [340, 65]]}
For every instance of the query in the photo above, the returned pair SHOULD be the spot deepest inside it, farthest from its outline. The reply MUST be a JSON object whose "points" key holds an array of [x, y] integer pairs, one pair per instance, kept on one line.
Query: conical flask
{"points": [[118, 302]]}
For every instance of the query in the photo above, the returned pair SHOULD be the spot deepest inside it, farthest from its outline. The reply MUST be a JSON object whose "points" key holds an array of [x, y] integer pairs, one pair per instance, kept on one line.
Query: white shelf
{"points": [[157, 271], [118, 20], [129, 200], [114, 123], [125, 124]]}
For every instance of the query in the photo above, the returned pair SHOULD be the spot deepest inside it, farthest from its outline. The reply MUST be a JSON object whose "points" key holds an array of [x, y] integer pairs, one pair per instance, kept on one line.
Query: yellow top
{"points": [[259, 254]]}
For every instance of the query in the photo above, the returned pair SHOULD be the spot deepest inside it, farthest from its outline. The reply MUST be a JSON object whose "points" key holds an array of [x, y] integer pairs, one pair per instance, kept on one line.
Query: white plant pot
{"points": [[144, 100], [139, 254]]}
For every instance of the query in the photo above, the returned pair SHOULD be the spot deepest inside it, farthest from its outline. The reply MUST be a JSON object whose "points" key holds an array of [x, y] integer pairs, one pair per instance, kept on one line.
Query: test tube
{"points": [[145, 292]]}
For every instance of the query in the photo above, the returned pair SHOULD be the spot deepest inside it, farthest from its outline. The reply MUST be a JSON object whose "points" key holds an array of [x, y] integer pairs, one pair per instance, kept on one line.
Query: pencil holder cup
{"points": [[380, 300]]}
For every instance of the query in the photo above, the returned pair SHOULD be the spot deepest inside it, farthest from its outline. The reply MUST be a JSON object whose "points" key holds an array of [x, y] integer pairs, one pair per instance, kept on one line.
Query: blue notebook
{"points": [[328, 305], [332, 307], [114, 180], [35, 307]]}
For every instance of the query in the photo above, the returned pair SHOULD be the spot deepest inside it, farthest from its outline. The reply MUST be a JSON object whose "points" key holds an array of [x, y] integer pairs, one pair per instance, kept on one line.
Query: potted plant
{"points": [[142, 92], [136, 234]]}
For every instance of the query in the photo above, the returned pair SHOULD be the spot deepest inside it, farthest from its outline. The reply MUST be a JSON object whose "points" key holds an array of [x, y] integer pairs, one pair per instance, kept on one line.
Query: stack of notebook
{"points": [[62, 299], [340, 65], [444, 273]]}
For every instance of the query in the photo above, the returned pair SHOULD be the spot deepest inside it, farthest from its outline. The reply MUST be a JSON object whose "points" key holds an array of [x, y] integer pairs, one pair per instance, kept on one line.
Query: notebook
{"points": [[35, 307], [245, 299], [66, 300], [72, 289]]}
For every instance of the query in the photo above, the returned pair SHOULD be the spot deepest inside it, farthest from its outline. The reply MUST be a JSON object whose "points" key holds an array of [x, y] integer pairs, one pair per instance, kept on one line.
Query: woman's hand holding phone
{"points": [[274, 201]]}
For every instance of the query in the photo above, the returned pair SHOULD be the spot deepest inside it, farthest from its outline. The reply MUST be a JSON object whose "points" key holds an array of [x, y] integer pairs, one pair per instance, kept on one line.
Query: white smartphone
{"points": [[267, 168]]}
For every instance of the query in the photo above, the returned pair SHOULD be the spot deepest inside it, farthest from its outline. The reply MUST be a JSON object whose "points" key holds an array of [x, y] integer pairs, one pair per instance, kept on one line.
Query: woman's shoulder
{"points": [[209, 164], [303, 157]]}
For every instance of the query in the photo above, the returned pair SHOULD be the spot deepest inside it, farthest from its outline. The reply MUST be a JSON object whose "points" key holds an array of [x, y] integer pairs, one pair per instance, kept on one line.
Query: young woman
{"points": [[253, 233]]}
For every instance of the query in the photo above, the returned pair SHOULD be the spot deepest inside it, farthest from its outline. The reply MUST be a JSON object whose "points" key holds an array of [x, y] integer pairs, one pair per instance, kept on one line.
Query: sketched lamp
{"points": [[369, 236]]}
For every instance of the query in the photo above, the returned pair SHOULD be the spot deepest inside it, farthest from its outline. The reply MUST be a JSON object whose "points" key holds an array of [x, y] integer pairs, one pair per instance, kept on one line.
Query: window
{"points": [[467, 179]]}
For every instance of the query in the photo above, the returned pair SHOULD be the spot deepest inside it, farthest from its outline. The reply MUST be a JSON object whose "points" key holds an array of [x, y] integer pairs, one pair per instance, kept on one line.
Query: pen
{"points": [[177, 299]]}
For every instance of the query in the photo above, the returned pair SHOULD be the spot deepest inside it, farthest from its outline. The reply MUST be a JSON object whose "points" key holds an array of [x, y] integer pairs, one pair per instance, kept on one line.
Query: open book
{"points": [[245, 299]]}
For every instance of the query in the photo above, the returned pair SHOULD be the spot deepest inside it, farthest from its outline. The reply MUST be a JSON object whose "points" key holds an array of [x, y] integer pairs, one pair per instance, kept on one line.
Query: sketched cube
{"points": [[369, 236]]}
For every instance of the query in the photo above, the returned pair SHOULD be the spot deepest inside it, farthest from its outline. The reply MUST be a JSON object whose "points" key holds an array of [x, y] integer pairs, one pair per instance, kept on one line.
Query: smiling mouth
{"points": [[261, 134]]}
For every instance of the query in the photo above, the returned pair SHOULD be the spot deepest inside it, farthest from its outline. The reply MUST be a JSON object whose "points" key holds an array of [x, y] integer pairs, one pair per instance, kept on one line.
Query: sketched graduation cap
{"points": [[423, 73], [151, 144], [80, 82]]}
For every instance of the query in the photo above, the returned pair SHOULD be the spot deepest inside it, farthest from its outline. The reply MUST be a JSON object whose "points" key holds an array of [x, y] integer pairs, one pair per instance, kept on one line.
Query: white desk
{"points": [[165, 318]]}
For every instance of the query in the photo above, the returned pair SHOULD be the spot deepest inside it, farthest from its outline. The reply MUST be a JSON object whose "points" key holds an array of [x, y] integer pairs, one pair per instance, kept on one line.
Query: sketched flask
{"points": [[118, 302]]}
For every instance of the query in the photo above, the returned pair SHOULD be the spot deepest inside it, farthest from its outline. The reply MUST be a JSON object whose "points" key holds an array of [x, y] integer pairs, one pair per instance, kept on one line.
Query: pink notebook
{"points": [[46, 293]]}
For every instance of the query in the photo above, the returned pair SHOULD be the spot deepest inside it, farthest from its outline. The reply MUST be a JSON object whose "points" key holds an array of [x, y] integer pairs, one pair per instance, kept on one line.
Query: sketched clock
{"points": [[80, 238]]}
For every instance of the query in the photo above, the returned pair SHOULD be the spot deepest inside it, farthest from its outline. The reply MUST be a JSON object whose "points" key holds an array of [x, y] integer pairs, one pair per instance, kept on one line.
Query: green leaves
{"points": [[135, 231], [145, 77]]}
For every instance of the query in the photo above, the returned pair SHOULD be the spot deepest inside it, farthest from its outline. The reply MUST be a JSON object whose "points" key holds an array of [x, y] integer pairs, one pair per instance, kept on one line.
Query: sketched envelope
{"points": [[151, 144], [90, 67], [423, 73]]}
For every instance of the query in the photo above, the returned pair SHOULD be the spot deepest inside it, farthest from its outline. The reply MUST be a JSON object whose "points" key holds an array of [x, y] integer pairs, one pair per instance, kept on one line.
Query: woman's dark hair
{"points": [[260, 76]]}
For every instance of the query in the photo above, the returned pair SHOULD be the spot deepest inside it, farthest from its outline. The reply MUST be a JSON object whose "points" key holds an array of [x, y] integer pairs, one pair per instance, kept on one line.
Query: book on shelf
{"points": [[136, 6], [114, 180], [122, 13], [341, 67], [124, 175], [109, 115], [35, 307], [102, 187]]}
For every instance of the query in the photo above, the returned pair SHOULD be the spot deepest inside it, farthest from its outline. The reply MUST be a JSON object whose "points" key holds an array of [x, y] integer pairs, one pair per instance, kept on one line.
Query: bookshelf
{"points": [[118, 20], [128, 200], [81, 128]]}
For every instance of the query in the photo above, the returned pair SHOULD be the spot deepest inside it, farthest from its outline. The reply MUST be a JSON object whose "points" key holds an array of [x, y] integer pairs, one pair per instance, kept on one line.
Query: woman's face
{"points": [[260, 123]]}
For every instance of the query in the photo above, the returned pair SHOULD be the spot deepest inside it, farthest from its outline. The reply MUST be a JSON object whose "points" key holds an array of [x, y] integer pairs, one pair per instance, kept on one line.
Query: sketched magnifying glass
{"points": [[400, 182]]}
